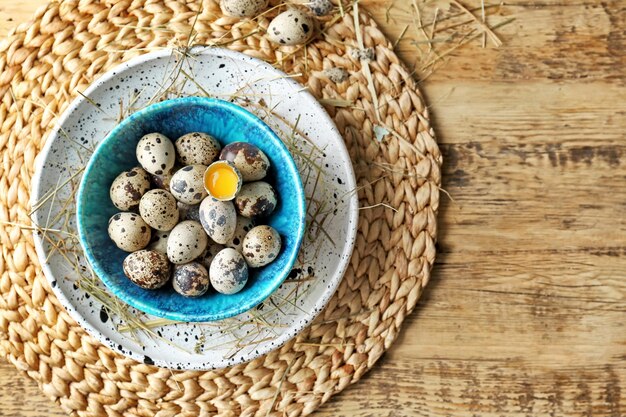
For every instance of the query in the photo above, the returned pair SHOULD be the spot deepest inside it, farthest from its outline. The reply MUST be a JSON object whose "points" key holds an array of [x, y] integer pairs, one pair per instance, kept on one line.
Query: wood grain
{"points": [[525, 312]]}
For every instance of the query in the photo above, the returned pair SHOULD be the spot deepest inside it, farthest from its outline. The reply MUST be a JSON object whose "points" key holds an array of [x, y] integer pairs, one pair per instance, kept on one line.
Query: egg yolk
{"points": [[221, 181]]}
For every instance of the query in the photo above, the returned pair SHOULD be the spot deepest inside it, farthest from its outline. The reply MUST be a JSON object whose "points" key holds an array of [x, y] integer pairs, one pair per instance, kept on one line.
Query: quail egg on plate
{"points": [[228, 271], [129, 232], [261, 246], [187, 184], [251, 162], [219, 219], [190, 280], [158, 209], [156, 153], [128, 188], [256, 200], [197, 148], [147, 268], [187, 241]]}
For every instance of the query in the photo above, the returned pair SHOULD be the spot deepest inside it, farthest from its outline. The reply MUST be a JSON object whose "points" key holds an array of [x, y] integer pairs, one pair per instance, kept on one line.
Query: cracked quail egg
{"points": [[148, 269], [159, 241], [190, 280], [251, 162], [156, 153], [222, 180], [158, 209], [261, 246], [256, 200], [219, 219], [187, 184], [197, 148], [186, 242], [291, 28], [242, 8], [128, 188], [129, 232], [228, 271]]}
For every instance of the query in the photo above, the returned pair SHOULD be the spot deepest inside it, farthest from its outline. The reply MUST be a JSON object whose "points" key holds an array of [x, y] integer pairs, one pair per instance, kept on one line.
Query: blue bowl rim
{"points": [[147, 308]]}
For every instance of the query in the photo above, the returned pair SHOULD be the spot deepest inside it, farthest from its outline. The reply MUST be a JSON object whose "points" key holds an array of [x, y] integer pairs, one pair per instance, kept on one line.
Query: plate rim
{"points": [[293, 331]]}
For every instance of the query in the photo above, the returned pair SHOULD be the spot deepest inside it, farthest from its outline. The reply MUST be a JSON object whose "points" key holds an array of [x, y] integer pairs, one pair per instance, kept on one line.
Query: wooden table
{"points": [[526, 311]]}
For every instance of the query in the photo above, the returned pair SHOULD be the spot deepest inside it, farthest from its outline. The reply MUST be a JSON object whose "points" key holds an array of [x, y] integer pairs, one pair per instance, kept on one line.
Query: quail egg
{"points": [[197, 148], [244, 225], [162, 181], [219, 219], [261, 246], [158, 209], [129, 232], [242, 8], [256, 200], [148, 269], [189, 212], [228, 271], [190, 280], [291, 28], [222, 180], [159, 241], [186, 242], [209, 253], [251, 162], [128, 188], [156, 153], [319, 7], [187, 184]]}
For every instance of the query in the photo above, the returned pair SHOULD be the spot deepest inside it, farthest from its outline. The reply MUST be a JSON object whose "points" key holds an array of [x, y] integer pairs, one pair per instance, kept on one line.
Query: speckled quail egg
{"points": [[228, 271], [187, 184], [256, 200], [244, 225], [219, 219], [187, 241], [158, 208], [261, 246], [147, 268], [291, 28], [162, 181], [129, 232], [197, 148], [209, 253], [156, 153], [159, 241], [189, 212], [128, 188], [251, 162], [190, 280], [319, 7], [242, 8]]}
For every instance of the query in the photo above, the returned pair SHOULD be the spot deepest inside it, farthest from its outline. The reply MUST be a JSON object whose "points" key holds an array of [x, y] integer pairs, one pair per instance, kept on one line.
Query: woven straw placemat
{"points": [[44, 63]]}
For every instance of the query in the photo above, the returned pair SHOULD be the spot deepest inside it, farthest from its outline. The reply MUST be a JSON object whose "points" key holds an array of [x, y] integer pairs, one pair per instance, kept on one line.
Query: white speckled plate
{"points": [[296, 117]]}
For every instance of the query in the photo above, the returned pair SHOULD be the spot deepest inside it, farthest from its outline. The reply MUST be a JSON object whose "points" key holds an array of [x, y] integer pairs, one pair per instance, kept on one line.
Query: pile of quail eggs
{"points": [[175, 230], [292, 27]]}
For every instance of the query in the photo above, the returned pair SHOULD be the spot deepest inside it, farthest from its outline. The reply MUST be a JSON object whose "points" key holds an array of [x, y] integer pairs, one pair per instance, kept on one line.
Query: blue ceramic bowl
{"points": [[228, 123]]}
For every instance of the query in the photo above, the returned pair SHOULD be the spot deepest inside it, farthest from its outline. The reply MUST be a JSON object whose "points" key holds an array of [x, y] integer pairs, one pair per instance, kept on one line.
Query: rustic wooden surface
{"points": [[526, 312]]}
